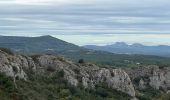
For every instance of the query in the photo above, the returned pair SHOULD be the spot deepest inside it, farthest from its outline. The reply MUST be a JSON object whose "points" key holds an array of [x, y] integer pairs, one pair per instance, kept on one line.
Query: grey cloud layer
{"points": [[84, 17]]}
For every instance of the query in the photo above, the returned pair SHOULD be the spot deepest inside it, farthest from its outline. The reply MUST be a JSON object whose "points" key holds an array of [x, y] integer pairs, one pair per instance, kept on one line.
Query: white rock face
{"points": [[13, 65], [89, 75], [116, 79], [160, 79], [122, 82], [142, 84], [154, 76]]}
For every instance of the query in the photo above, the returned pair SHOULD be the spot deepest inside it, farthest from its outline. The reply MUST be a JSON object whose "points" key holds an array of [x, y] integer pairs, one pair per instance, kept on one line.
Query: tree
{"points": [[81, 61]]}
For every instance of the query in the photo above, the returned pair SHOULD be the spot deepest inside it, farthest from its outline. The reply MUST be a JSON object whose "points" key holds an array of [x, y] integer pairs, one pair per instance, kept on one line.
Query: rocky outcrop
{"points": [[86, 74], [116, 79], [89, 75], [160, 79], [142, 84], [154, 76], [13, 65]]}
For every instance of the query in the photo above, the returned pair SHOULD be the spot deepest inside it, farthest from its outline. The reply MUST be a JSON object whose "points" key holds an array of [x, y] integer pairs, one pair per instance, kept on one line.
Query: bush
{"points": [[81, 61], [77, 71], [35, 58], [60, 74], [61, 59], [148, 94], [15, 69], [51, 69], [8, 51], [6, 84], [164, 97], [102, 92]]}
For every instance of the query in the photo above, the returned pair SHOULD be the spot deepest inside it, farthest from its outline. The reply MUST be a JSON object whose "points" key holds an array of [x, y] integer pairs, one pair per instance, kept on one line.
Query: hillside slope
{"points": [[82, 75], [48, 77], [54, 46]]}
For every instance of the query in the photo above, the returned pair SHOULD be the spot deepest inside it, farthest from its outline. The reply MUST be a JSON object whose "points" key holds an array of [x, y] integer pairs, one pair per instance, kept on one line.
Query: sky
{"points": [[85, 22]]}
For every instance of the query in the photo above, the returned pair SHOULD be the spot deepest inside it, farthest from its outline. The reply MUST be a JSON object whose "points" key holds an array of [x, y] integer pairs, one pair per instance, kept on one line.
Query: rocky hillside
{"points": [[89, 75], [85, 75], [154, 76]]}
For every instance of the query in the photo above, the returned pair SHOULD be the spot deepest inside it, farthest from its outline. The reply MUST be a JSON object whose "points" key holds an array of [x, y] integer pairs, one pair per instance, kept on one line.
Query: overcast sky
{"points": [[89, 21]]}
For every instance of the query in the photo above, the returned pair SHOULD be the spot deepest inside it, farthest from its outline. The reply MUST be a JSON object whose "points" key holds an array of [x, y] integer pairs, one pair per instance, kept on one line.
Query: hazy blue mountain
{"points": [[123, 48], [51, 45]]}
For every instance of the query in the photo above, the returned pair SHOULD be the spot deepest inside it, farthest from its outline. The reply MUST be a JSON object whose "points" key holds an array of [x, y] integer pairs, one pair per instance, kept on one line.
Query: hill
{"points": [[53, 46], [49, 77]]}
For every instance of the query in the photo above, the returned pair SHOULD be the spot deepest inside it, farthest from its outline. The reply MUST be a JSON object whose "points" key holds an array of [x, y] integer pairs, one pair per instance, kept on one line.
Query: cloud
{"points": [[101, 39], [26, 2], [84, 17], [98, 3], [46, 2]]}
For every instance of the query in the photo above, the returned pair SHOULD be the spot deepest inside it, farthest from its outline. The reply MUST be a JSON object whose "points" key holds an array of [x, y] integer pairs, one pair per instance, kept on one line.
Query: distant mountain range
{"points": [[123, 48], [51, 45]]}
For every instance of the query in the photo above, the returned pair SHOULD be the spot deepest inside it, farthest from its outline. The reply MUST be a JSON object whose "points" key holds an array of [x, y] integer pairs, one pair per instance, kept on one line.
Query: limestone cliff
{"points": [[89, 75], [154, 76]]}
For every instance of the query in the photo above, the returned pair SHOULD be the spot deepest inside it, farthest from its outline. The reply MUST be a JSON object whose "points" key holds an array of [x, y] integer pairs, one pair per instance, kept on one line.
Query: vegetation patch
{"points": [[8, 51]]}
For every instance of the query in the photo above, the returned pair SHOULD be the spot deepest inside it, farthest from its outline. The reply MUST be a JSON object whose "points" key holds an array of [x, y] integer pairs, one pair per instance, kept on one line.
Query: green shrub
{"points": [[6, 84], [35, 57], [164, 97], [51, 69], [8, 51], [148, 94], [60, 73], [15, 69], [81, 61]]}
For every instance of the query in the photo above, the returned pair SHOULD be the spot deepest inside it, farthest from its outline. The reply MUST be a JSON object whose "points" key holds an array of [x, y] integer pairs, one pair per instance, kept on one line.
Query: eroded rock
{"points": [[89, 75]]}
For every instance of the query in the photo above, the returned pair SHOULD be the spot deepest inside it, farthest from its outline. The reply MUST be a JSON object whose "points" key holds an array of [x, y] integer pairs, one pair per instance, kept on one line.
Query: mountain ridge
{"points": [[136, 48], [53, 46]]}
